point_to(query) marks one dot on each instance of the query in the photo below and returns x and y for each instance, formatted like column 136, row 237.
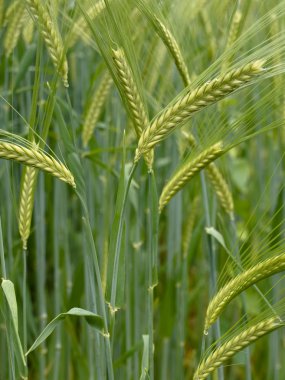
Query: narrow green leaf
column 116, row 237
column 93, row 319
column 216, row 235
column 9, row 292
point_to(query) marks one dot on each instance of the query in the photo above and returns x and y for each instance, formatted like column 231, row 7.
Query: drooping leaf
column 93, row 319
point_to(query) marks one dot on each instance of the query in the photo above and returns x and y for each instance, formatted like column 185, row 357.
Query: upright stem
column 237, row 256
column 152, row 263
column 212, row 261
column 41, row 268
column 94, row 261
column 117, row 252
column 24, row 285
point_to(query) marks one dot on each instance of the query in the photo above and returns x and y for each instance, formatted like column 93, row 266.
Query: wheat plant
column 142, row 213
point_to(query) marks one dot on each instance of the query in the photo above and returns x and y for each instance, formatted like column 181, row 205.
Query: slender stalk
column 212, row 261
column 24, row 294
column 119, row 237
column 237, row 256
column 56, row 274
column 151, row 263
column 40, row 235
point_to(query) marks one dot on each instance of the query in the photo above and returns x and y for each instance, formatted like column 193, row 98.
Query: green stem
column 212, row 261
column 92, row 252
column 24, row 285
column 119, row 238
column 243, row 302
column 117, row 253
column 152, row 262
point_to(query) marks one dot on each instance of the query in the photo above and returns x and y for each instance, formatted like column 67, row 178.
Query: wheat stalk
column 38, row 159
column 134, row 103
column 15, row 23
column 27, row 203
column 189, row 226
column 187, row 171
column 234, row 345
column 187, row 105
column 51, row 36
column 94, row 110
column 240, row 283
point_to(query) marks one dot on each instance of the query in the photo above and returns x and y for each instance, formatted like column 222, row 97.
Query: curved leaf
column 92, row 319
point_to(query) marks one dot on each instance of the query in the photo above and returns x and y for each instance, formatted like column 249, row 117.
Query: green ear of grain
column 37, row 159
column 93, row 319
column 51, row 36
column 26, row 205
column 187, row 171
column 234, row 345
column 15, row 23
column 132, row 98
column 188, row 104
column 95, row 107
column 240, row 283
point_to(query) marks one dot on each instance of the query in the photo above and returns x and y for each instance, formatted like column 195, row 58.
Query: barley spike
column 175, row 51
column 37, row 159
column 240, row 283
column 27, row 203
column 187, row 105
column 234, row 345
column 187, row 171
column 133, row 99
column 51, row 37
column 217, row 180
column 221, row 189
column 14, row 27
column 95, row 108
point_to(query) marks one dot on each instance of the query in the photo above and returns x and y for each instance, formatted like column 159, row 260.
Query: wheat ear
column 28, row 30
column 80, row 27
column 174, row 50
column 193, row 101
column 51, row 36
column 134, row 103
column 220, row 186
column 27, row 203
column 95, row 107
column 234, row 345
column 187, row 171
column 10, row 10
column 217, row 180
column 37, row 159
column 221, row 189
column 240, row 283
column 15, row 24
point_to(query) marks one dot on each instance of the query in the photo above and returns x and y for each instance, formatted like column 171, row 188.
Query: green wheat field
column 142, row 199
